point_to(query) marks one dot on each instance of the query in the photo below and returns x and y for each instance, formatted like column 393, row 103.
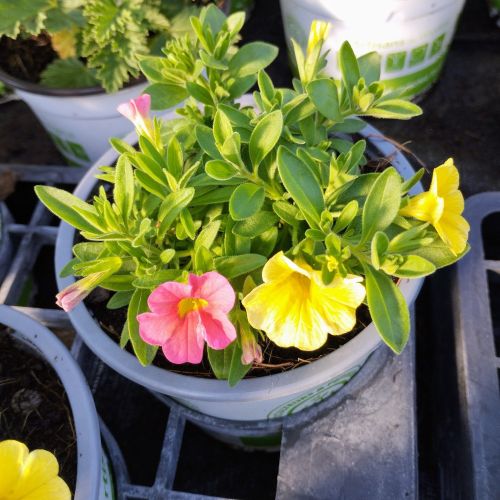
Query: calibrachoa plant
column 235, row 223
column 29, row 475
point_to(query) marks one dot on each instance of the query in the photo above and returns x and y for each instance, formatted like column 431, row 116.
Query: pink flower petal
column 165, row 298
column 186, row 344
column 219, row 331
column 156, row 329
column 215, row 289
column 143, row 105
column 128, row 110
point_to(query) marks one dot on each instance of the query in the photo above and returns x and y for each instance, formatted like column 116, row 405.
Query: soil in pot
column 34, row 407
column 26, row 58
column 275, row 359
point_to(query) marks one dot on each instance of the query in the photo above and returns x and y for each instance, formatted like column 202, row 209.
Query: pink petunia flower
column 72, row 295
column 186, row 315
column 137, row 111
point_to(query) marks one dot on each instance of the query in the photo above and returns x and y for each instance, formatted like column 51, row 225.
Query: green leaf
column 382, row 203
column 226, row 363
column 175, row 158
column 200, row 93
column 207, row 235
column 222, row 127
column 414, row 266
column 380, row 243
column 302, row 185
column 394, row 108
column 165, row 95
column 119, row 300
column 236, row 265
column 63, row 204
column 369, row 67
column 161, row 276
column 346, row 216
column 246, row 200
column 324, row 94
column 265, row 136
column 287, row 212
column 138, row 304
column 439, row 254
column 215, row 196
column 88, row 250
column 68, row 73
column 220, row 170
column 22, row 13
column 206, row 140
column 256, row 224
column 251, row 58
column 349, row 69
column 171, row 207
column 123, row 192
column 407, row 185
column 388, row 309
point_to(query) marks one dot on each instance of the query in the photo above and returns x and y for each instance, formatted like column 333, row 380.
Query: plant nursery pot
column 254, row 398
column 5, row 242
column 412, row 36
column 93, row 474
column 80, row 121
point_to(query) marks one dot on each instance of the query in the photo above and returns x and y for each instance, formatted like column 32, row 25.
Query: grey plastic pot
column 252, row 399
column 93, row 480
column 5, row 241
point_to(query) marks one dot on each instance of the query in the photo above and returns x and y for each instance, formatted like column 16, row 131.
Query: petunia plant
column 234, row 225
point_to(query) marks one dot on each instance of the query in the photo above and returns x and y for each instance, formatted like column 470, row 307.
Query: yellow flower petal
column 424, row 206
column 445, row 179
column 54, row 489
column 442, row 206
column 39, row 467
column 295, row 309
column 453, row 229
column 12, row 456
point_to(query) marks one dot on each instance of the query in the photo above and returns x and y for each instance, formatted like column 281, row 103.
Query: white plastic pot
column 252, row 399
column 412, row 36
column 5, row 242
column 93, row 478
column 80, row 121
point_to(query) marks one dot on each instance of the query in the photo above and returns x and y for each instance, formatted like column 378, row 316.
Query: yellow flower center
column 190, row 304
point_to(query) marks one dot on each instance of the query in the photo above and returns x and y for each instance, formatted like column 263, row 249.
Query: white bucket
column 94, row 480
column 80, row 121
column 252, row 399
column 412, row 36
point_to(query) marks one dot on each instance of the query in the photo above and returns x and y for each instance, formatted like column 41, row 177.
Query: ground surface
column 461, row 119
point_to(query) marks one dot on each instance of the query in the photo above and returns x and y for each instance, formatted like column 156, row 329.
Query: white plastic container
column 93, row 477
column 252, row 399
column 80, row 121
column 412, row 36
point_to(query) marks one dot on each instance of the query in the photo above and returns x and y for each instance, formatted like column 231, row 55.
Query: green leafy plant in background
column 232, row 188
column 98, row 41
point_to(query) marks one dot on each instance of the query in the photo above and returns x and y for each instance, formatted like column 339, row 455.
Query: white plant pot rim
column 29, row 331
column 188, row 387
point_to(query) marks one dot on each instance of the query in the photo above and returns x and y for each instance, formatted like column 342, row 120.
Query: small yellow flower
column 442, row 206
column 29, row 476
column 296, row 309
column 317, row 35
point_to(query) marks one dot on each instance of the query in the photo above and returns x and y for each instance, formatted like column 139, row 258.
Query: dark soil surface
column 275, row 359
column 34, row 408
column 26, row 58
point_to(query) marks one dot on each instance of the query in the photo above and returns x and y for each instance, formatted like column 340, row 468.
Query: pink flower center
column 190, row 304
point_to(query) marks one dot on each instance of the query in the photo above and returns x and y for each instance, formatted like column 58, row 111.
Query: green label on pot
column 74, row 152
column 316, row 396
column 107, row 487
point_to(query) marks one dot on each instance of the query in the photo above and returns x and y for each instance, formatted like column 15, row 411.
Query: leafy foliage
column 68, row 73
column 226, row 186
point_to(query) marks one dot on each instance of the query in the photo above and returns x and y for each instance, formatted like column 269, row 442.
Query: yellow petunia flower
column 296, row 309
column 442, row 206
column 29, row 476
